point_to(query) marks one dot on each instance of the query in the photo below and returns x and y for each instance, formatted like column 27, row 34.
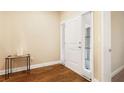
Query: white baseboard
column 95, row 80
column 77, row 73
column 2, row 72
column 117, row 71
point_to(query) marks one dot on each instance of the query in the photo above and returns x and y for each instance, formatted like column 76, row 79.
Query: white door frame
column 106, row 46
column 62, row 42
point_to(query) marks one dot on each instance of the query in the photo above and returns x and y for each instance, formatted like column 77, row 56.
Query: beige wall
column 68, row 15
column 4, row 38
column 36, row 32
column 117, row 25
column 97, row 38
column 97, row 44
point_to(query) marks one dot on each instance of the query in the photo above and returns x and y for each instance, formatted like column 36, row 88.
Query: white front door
column 73, row 45
column 77, row 45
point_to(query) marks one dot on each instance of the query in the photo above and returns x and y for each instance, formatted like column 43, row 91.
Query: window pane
column 87, row 48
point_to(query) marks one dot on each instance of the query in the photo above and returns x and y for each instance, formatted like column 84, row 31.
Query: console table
column 9, row 61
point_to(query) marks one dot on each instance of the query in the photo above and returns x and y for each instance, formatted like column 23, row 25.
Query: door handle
column 79, row 47
column 110, row 50
column 80, row 42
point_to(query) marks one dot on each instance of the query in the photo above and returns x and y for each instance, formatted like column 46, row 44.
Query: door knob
column 110, row 50
column 80, row 42
column 79, row 47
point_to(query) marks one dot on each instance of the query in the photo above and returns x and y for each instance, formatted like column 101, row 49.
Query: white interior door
column 73, row 45
column 106, row 46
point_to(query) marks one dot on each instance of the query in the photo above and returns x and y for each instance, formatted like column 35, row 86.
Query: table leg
column 8, row 67
column 5, row 68
column 29, row 63
column 11, row 66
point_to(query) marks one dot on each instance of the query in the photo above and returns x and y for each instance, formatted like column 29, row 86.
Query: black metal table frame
column 9, row 62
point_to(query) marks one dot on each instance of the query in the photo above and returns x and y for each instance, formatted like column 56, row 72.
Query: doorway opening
column 117, row 41
column 112, row 67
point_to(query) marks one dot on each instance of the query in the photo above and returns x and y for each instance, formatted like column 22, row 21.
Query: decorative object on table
column 20, row 52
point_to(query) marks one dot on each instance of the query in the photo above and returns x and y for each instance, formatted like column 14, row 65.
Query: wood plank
column 55, row 73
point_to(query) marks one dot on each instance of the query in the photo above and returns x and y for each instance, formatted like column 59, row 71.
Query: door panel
column 73, row 51
column 70, row 55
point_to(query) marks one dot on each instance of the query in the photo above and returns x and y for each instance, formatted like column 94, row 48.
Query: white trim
column 92, row 49
column 2, row 72
column 105, row 46
column 117, row 71
column 79, row 74
column 62, row 40
column 95, row 80
column 102, row 47
column 68, row 20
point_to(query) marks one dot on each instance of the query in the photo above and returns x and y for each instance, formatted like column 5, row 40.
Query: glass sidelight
column 87, row 48
column 87, row 44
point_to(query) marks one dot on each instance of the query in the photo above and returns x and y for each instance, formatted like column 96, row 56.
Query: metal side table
column 9, row 63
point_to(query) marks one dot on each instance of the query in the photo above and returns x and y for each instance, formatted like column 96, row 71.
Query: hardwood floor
column 55, row 73
column 119, row 77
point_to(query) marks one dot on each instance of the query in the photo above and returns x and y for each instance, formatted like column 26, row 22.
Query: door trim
column 62, row 41
column 105, row 33
column 92, row 47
